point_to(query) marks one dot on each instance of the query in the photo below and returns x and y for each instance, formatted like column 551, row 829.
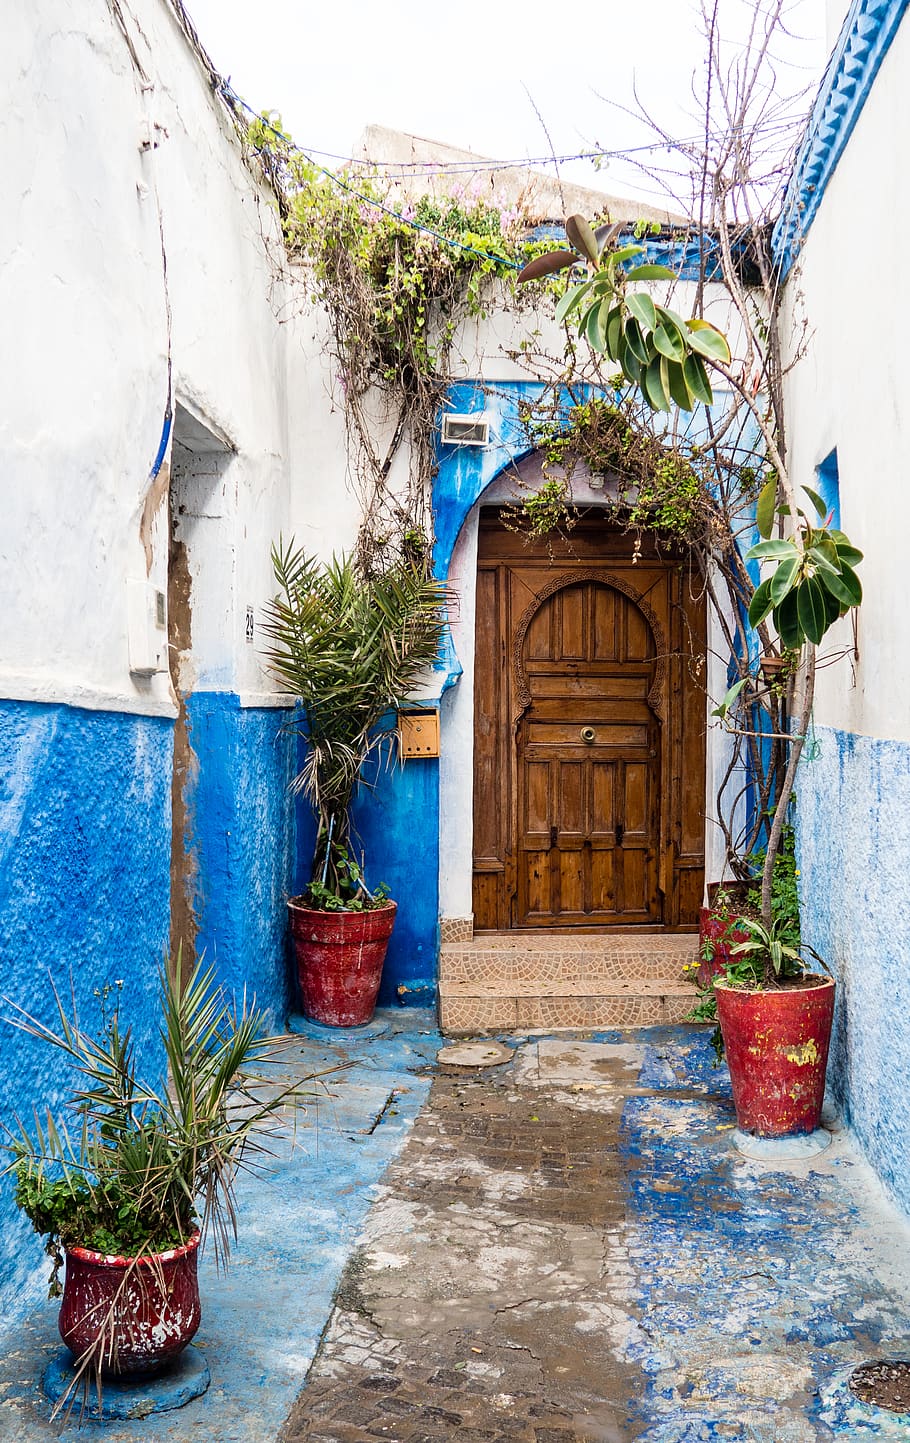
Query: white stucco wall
column 115, row 259
column 861, row 406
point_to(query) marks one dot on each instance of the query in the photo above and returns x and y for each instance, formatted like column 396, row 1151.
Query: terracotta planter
column 718, row 931
column 147, row 1309
column 777, row 1050
column 339, row 960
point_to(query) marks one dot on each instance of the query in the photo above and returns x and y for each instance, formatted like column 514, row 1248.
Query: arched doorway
column 589, row 742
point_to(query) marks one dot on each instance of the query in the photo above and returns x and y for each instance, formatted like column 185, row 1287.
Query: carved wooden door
column 589, row 739
column 588, row 762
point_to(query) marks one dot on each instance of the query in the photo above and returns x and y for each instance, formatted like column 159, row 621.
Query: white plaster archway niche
column 456, row 776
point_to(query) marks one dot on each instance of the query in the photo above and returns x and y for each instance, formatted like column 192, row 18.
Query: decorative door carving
column 589, row 736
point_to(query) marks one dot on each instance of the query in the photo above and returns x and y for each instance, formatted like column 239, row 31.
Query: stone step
column 531, row 981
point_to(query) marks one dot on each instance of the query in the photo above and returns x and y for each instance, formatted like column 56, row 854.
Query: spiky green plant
column 139, row 1167
column 351, row 647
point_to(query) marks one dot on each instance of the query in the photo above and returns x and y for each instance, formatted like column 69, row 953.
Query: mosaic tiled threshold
column 522, row 980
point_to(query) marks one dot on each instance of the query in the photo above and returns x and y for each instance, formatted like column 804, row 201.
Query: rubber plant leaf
column 625, row 253
column 765, row 507
column 845, row 586
column 582, row 237
column 655, row 391
column 761, row 603
column 676, row 379
column 573, row 297
column 592, row 330
column 783, row 579
column 697, row 379
column 547, row 265
column 636, row 341
column 631, row 366
column 787, row 622
column 669, row 343
column 604, row 234
column 846, row 554
column 817, row 502
column 811, row 610
column 650, row 273
column 776, row 549
column 708, row 340
column 643, row 309
column 614, row 332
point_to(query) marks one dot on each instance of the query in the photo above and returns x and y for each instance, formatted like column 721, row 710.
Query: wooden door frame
column 670, row 699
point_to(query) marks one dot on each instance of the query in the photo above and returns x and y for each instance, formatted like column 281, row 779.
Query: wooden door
column 588, row 763
column 589, row 744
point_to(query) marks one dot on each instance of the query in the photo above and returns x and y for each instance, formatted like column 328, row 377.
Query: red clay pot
column 777, row 1050
column 147, row 1308
column 339, row 960
column 717, row 930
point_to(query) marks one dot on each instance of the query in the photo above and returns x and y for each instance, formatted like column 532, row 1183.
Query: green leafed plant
column 656, row 349
column 351, row 647
column 134, row 1166
column 814, row 581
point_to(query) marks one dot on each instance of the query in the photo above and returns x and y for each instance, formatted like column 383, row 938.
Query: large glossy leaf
column 844, row 585
column 811, row 610
column 783, row 579
column 651, row 273
column 614, row 332
column 767, row 550
column 708, row 340
column 765, row 507
column 669, row 342
column 824, row 557
column 761, row 603
column 582, row 237
column 547, row 265
column 593, row 330
column 572, row 298
column 697, row 379
column 631, row 366
column 787, row 622
column 636, row 341
column 817, row 502
column 833, row 607
column 676, row 378
column 643, row 309
column 653, row 385
column 846, row 553
column 604, row 234
column 625, row 253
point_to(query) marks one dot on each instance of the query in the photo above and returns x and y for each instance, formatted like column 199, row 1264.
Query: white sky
column 461, row 73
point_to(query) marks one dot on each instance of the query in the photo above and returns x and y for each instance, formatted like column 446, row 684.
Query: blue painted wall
column 85, row 800
column 396, row 831
column 853, row 838
column 241, row 828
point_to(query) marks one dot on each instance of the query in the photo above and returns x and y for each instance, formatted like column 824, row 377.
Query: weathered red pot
column 723, row 937
column 777, row 1050
column 144, row 1310
column 339, row 960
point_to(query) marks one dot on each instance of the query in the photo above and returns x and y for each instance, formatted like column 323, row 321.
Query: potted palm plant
column 127, row 1189
column 351, row 644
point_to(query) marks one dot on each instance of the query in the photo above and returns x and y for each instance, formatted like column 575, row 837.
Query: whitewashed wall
column 117, row 259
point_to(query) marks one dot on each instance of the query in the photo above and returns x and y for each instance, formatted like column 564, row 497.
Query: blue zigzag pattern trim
column 863, row 43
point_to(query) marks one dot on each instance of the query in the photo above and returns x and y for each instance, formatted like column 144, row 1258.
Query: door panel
column 589, row 740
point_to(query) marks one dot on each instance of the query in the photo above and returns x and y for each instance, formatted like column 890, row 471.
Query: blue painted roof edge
column 862, row 45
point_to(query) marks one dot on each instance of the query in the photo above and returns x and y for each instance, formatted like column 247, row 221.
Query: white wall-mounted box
column 146, row 620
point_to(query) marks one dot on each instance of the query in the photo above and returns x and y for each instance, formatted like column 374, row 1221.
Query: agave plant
column 656, row 349
column 351, row 647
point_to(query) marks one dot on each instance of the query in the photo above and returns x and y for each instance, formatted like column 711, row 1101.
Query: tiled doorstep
column 539, row 959
column 472, row 1014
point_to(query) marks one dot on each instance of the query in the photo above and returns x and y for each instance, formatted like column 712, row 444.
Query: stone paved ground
column 568, row 1248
